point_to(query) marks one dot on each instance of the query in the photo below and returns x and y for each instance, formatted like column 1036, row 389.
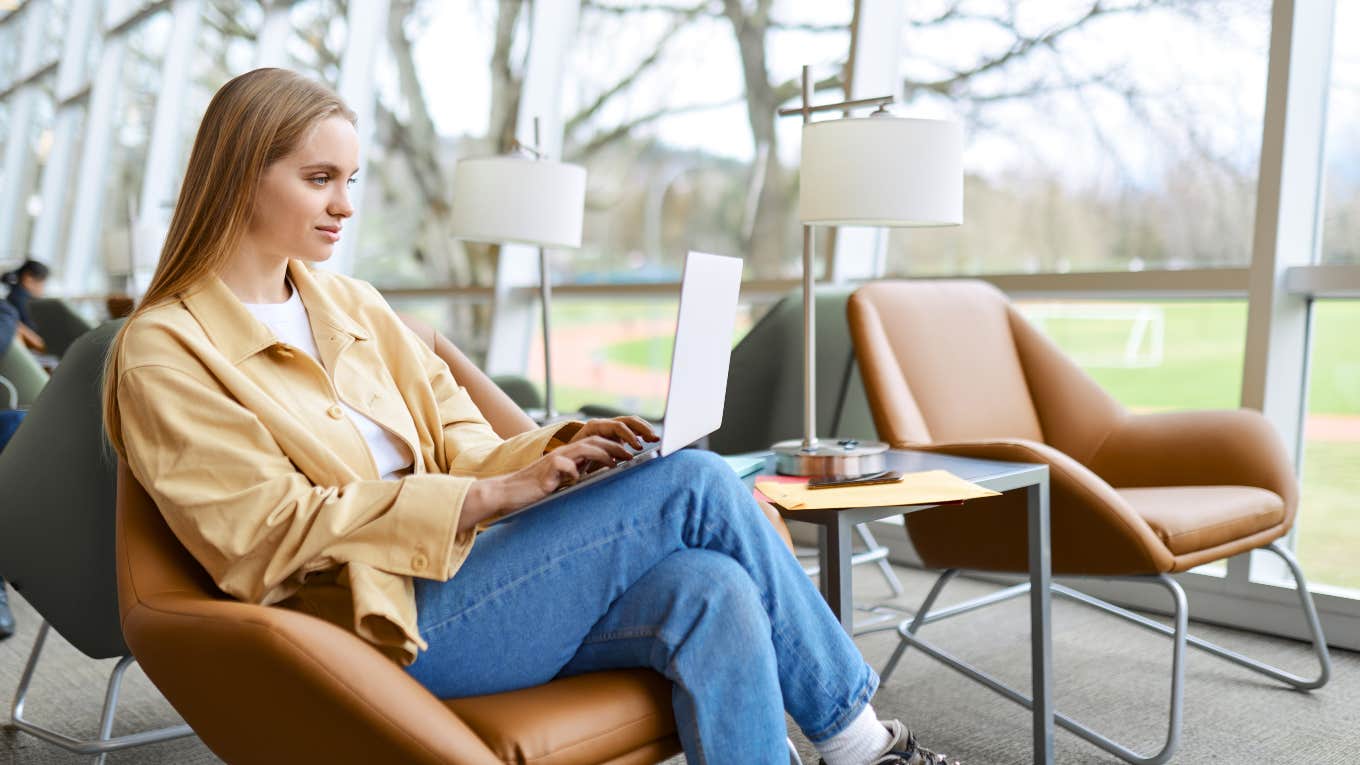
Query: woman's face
column 33, row 285
column 303, row 198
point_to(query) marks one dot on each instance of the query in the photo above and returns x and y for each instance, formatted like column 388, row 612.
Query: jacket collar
column 239, row 335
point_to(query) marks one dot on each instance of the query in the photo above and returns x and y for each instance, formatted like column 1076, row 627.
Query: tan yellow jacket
column 240, row 441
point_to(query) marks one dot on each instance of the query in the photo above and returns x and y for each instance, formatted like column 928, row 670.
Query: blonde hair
column 252, row 121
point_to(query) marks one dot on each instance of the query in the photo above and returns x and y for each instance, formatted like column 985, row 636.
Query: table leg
column 1040, row 626
column 833, row 553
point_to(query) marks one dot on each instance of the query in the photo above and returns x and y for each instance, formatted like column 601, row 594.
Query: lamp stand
column 545, row 297
column 809, row 456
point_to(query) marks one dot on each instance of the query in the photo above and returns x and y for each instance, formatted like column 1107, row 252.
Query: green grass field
column 1200, row 367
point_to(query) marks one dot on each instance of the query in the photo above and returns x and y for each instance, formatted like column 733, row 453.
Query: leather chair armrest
column 1231, row 447
column 1094, row 530
column 249, row 679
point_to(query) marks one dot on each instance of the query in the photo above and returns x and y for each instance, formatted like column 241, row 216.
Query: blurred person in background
column 26, row 282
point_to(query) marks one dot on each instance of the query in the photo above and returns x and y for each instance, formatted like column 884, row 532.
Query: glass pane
column 40, row 134
column 1098, row 136
column 135, row 112
column 684, row 152
column 427, row 120
column 1152, row 356
column 1341, row 168
column 1329, row 516
column 616, row 352
column 318, row 40
column 11, row 37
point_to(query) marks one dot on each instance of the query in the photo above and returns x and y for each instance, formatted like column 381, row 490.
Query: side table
column 834, row 555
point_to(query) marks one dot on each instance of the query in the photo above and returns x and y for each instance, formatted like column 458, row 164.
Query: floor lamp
column 879, row 170
column 523, row 198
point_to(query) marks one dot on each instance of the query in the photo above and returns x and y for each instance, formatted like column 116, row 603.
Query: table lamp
column 878, row 170
column 523, row 198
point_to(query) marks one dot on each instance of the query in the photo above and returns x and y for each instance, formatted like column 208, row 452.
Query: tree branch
column 627, row 81
column 600, row 140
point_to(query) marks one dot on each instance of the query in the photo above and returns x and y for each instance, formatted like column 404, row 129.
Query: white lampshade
column 519, row 200
column 882, row 171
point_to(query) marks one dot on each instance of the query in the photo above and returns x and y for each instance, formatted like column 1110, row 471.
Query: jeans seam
column 632, row 633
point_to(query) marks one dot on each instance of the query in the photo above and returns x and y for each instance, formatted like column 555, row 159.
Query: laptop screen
column 703, row 349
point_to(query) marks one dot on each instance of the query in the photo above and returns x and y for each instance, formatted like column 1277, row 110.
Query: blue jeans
column 10, row 420
column 671, row 566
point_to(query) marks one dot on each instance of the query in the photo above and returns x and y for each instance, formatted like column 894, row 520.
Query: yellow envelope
column 926, row 488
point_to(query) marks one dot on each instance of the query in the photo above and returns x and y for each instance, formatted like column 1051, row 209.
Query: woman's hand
column 625, row 430
column 490, row 497
column 31, row 339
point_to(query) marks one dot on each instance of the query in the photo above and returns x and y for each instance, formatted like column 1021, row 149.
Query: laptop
column 698, row 378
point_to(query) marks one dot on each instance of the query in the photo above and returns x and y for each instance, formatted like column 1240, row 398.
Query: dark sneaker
column 903, row 749
column 6, row 618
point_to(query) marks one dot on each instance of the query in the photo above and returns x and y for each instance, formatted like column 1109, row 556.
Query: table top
column 992, row 474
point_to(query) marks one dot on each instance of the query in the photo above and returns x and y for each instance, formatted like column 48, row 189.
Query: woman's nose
column 340, row 205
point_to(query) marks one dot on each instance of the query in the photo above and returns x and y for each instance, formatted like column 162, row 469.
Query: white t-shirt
column 289, row 323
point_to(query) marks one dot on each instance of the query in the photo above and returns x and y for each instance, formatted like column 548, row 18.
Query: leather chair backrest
column 57, row 477
column 765, row 378
column 57, row 323
column 951, row 364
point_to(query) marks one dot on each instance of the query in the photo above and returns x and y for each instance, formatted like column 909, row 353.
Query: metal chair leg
column 1109, row 745
column 1179, row 634
column 884, row 567
column 916, row 622
column 794, row 759
column 106, row 742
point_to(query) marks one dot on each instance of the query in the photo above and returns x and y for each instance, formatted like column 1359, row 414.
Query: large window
column 1341, row 190
column 1099, row 136
column 671, row 108
column 135, row 112
column 1329, row 524
column 1152, row 355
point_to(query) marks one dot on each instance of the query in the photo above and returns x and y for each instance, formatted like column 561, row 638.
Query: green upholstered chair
column 58, row 477
column 21, row 377
column 57, row 323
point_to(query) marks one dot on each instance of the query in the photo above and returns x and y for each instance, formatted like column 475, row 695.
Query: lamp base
column 829, row 459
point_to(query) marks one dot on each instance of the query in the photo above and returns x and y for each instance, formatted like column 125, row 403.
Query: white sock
column 862, row 740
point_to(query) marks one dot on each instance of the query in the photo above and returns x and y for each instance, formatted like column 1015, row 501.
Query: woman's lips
column 331, row 235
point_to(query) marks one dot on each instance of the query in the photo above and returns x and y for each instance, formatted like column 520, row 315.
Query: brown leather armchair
column 951, row 366
column 261, row 684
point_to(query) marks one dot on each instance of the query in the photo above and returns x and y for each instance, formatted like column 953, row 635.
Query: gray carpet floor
column 1108, row 674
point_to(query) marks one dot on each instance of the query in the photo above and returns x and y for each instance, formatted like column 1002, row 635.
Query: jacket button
column 335, row 412
column 419, row 562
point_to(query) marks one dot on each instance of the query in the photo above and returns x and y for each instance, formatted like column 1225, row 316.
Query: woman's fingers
column 600, row 449
column 640, row 426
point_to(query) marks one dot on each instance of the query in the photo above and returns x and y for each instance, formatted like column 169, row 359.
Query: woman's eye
column 351, row 181
column 320, row 180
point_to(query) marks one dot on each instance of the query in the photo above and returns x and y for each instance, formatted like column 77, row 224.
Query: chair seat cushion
column 1193, row 518
column 601, row 717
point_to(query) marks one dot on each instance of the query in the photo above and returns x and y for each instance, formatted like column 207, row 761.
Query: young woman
column 26, row 282
column 312, row 453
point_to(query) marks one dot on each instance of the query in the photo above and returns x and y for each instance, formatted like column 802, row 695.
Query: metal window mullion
column 87, row 211
column 19, row 156
column 72, row 78
column 1289, row 194
column 163, row 148
column 513, row 314
column 365, row 28
column 271, row 44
